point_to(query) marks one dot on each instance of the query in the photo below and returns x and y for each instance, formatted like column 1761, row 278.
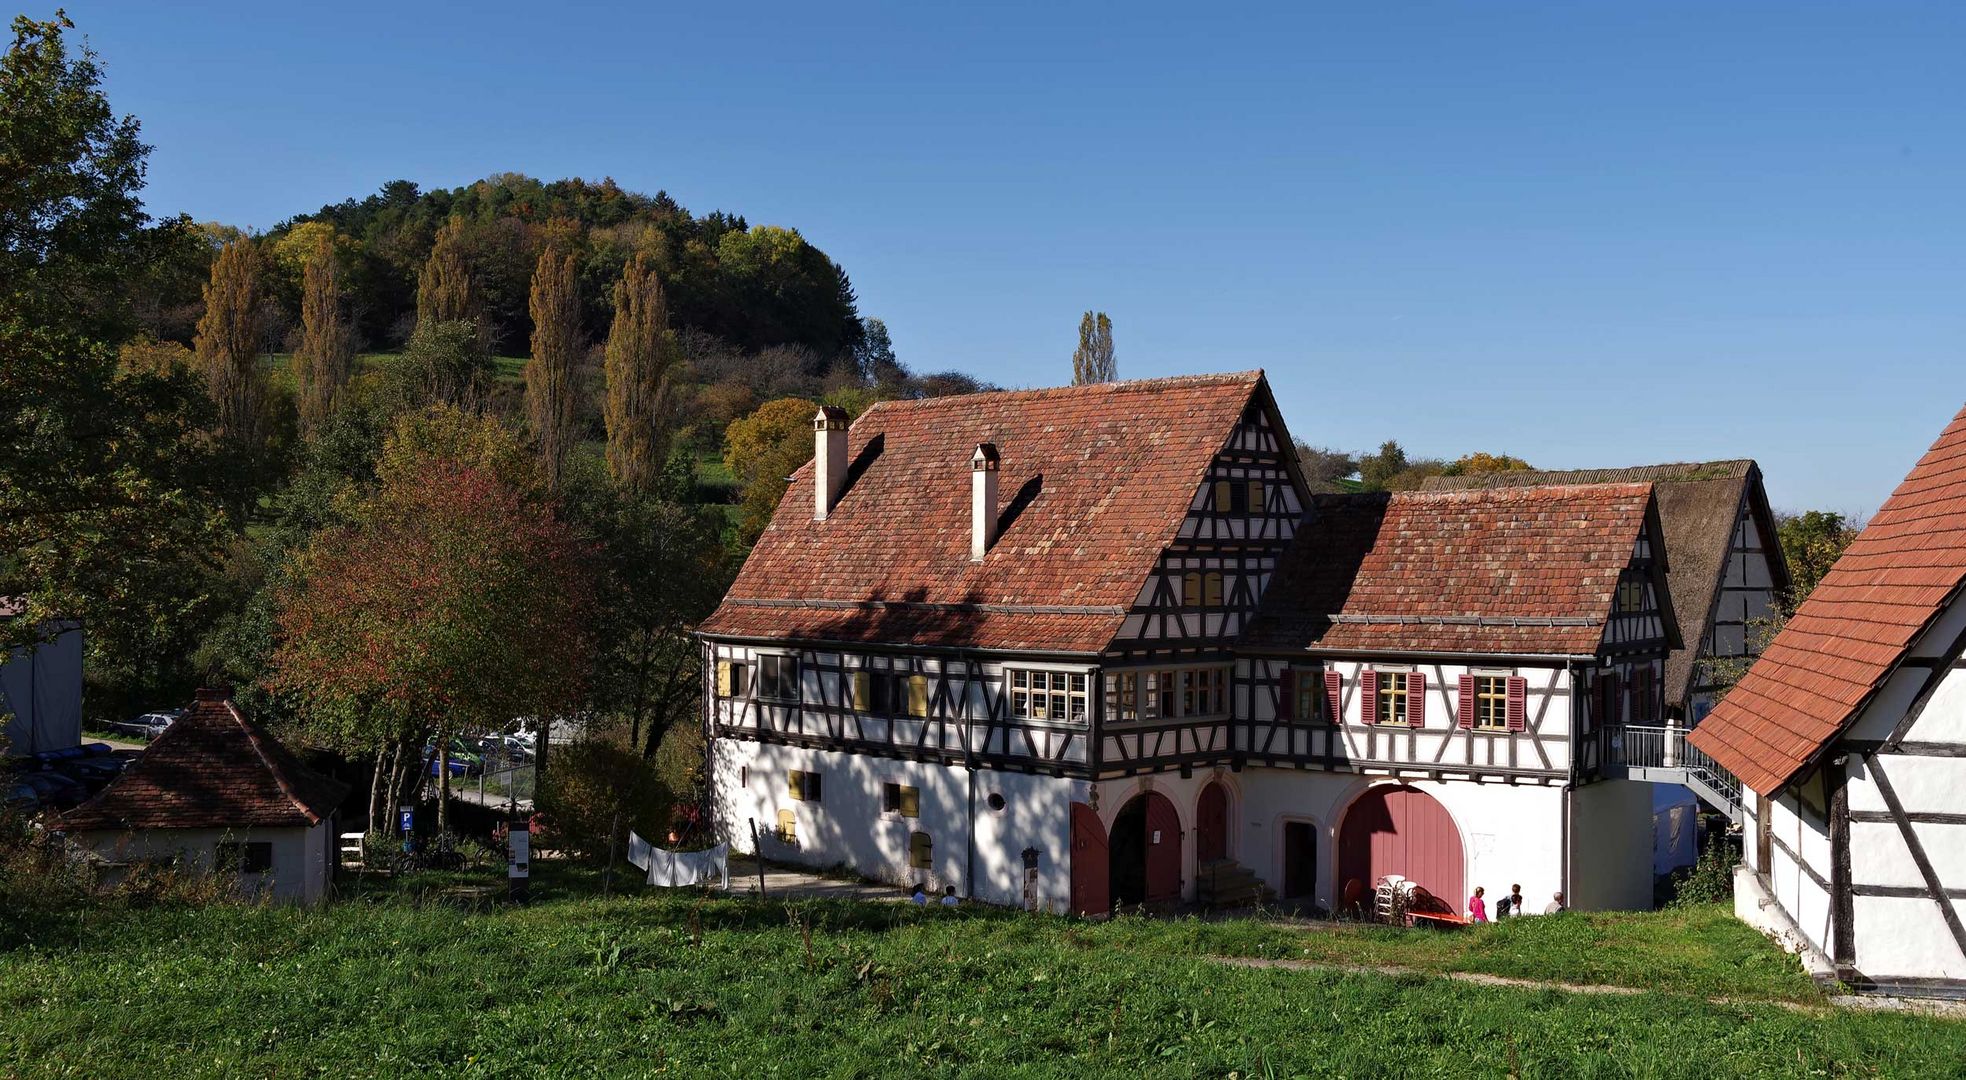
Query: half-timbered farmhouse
column 1097, row 645
column 1849, row 734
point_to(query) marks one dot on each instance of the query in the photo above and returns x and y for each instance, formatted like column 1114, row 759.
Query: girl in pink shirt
column 1477, row 907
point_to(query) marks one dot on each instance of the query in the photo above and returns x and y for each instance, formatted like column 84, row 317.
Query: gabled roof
column 1095, row 482
column 212, row 769
column 1529, row 571
column 1699, row 503
column 1895, row 579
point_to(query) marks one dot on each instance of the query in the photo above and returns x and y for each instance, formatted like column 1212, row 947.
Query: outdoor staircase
column 1226, row 883
column 1661, row 755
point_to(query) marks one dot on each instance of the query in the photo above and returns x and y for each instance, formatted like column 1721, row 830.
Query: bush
column 593, row 792
column 1710, row 880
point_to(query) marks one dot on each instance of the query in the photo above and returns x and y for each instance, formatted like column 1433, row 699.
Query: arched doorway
column 1396, row 829
column 1145, row 851
column 1091, row 894
column 1212, row 824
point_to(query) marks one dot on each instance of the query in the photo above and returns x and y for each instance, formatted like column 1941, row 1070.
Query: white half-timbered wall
column 1747, row 598
column 967, row 697
column 1540, row 753
column 1226, row 548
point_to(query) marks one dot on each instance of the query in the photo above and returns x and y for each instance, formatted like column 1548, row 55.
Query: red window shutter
column 1334, row 697
column 1287, row 704
column 1518, row 703
column 1368, row 696
column 1416, row 700
column 1467, row 717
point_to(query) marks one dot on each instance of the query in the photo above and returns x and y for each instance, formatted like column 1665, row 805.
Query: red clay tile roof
column 1699, row 506
column 1521, row 571
column 1095, row 482
column 212, row 769
column 1897, row 577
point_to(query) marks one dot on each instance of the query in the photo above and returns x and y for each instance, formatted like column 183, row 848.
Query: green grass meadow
column 683, row 985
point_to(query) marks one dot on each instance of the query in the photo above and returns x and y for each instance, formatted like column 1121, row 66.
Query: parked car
column 463, row 760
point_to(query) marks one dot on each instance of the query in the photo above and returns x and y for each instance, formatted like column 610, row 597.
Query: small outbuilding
column 218, row 792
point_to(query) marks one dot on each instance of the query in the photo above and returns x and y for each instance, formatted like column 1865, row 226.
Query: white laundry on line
column 672, row 868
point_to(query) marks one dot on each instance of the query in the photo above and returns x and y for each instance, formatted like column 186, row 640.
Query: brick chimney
column 982, row 500
column 828, row 459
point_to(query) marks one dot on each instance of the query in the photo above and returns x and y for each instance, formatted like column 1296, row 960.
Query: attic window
column 778, row 677
column 1631, row 596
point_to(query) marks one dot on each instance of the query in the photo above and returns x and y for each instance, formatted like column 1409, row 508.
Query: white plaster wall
column 1543, row 747
column 847, row 827
column 1806, row 833
column 300, row 868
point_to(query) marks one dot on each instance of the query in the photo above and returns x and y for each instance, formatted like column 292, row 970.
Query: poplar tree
column 445, row 289
column 228, row 344
column 1093, row 361
column 639, row 356
column 327, row 343
column 555, row 308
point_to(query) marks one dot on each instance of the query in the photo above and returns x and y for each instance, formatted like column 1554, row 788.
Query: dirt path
column 1944, row 1009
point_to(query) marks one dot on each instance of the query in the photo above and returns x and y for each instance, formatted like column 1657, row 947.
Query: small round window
column 996, row 801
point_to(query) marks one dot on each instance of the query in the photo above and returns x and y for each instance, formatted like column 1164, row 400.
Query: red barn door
column 1089, row 869
column 1212, row 824
column 1394, row 829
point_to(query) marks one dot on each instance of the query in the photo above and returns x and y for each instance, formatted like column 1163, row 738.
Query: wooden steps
column 1226, row 883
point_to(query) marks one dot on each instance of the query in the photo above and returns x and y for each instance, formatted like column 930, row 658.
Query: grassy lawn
column 679, row 985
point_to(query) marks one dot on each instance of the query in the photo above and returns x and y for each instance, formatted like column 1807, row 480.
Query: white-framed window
column 1048, row 695
column 778, row 677
column 1166, row 695
column 1392, row 698
column 1491, row 702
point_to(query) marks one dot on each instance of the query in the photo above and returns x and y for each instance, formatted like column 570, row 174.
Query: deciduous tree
column 640, row 354
column 105, row 486
column 550, row 392
column 446, row 290
column 762, row 450
column 445, row 363
column 229, row 343
column 1093, row 361
column 455, row 599
column 327, row 345
column 1812, row 542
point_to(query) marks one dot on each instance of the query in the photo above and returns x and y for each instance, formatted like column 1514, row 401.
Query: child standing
column 1477, row 907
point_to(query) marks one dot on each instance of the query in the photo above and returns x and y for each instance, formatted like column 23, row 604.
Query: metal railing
column 1666, row 748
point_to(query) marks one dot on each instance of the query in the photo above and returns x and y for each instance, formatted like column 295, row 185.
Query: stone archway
column 1144, row 849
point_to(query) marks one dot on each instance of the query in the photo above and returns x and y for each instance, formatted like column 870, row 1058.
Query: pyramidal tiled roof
column 1095, row 481
column 212, row 769
column 1893, row 581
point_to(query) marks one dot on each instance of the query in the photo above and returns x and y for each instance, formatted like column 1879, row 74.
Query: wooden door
column 1089, row 869
column 1394, row 829
column 1163, row 849
column 1212, row 824
column 1299, row 859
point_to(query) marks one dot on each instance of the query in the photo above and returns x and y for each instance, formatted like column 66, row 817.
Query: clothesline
column 673, row 868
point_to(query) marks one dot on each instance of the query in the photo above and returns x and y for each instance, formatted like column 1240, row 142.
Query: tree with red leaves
column 454, row 600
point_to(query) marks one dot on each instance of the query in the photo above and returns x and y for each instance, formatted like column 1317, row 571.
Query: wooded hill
column 731, row 286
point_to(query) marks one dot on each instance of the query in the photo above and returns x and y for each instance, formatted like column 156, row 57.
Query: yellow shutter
column 1221, row 496
column 911, row 802
column 917, row 695
column 861, row 691
column 1191, row 590
column 1256, row 496
column 798, row 785
column 1212, row 595
column 723, row 678
column 788, row 826
column 921, row 851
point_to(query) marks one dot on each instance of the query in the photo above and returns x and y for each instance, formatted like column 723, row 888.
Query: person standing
column 1478, row 907
column 1556, row 905
column 1515, row 900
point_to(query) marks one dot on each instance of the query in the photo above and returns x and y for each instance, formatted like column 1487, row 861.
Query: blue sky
column 1584, row 233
